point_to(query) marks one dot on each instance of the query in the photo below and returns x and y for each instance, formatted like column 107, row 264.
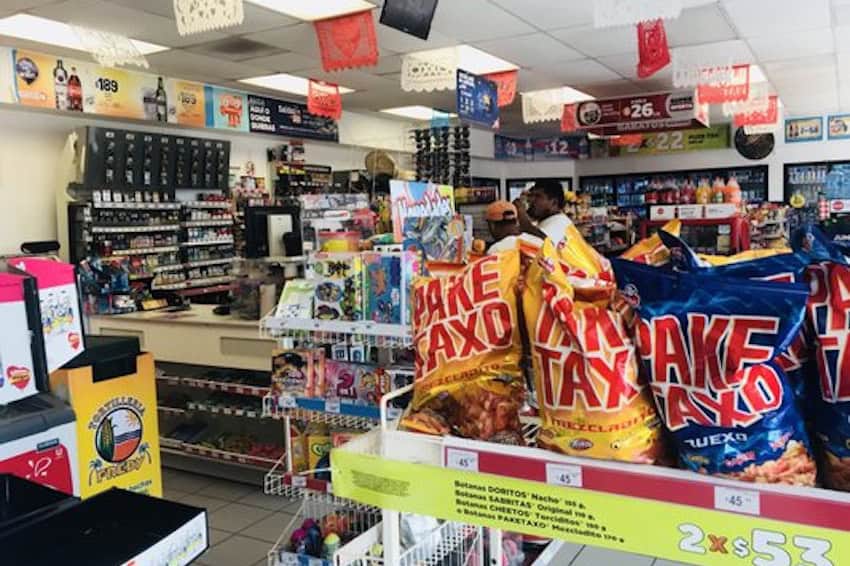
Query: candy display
column 591, row 400
column 355, row 382
column 708, row 346
column 382, row 287
column 338, row 287
column 292, row 373
column 467, row 348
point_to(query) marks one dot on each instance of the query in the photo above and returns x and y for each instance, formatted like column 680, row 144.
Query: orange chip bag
column 588, row 272
column 468, row 347
column 652, row 250
column 591, row 400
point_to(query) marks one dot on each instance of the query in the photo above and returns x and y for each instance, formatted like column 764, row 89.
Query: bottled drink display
column 161, row 102
column 60, row 85
column 75, row 92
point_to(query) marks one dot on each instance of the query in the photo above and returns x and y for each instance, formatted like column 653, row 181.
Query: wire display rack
column 313, row 331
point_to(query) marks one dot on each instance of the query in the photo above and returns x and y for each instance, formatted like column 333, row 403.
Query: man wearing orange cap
column 504, row 227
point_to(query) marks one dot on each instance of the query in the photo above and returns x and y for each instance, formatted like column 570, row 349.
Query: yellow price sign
column 114, row 92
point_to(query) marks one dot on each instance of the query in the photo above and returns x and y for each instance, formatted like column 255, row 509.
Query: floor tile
column 269, row 529
column 211, row 504
column 235, row 551
column 172, row 494
column 592, row 556
column 217, row 536
column 184, row 481
column 270, row 502
column 229, row 490
column 234, row 517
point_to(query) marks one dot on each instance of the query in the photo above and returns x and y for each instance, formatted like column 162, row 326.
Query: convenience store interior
column 212, row 368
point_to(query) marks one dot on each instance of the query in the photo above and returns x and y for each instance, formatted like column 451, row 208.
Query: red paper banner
column 347, row 41
column 506, row 83
column 323, row 99
column 770, row 115
column 653, row 52
column 568, row 118
column 737, row 89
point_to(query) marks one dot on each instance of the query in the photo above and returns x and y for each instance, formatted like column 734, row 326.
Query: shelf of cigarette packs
column 216, row 414
column 769, row 226
column 588, row 501
column 608, row 229
column 328, row 531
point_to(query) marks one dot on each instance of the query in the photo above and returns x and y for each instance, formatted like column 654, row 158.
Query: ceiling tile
column 283, row 62
column 705, row 24
column 625, row 64
column 133, row 23
column 188, row 65
column 235, row 49
column 841, row 35
column 256, row 17
column 735, row 50
column 802, row 43
column 358, row 79
column 535, row 80
column 599, row 42
column 387, row 64
column 299, row 38
column 476, row 20
column 536, row 50
column 612, row 89
column 540, row 13
column 10, row 7
column 400, row 42
column 807, row 74
column 754, row 18
column 578, row 73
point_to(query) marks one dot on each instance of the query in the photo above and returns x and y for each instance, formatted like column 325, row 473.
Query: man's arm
column 525, row 223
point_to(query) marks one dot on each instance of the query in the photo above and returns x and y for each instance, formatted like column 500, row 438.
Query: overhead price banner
column 532, row 149
column 477, row 99
column 284, row 118
column 505, row 147
column 675, row 141
column 642, row 113
column 731, row 532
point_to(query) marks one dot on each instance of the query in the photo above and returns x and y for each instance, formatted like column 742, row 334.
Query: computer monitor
column 272, row 231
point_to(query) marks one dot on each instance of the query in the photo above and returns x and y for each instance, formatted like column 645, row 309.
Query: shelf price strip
column 666, row 513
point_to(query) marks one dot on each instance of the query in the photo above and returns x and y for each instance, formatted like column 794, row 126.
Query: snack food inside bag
column 467, row 349
column 591, row 400
column 708, row 346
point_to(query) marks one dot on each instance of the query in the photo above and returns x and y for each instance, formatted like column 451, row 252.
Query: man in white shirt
column 502, row 221
column 545, row 216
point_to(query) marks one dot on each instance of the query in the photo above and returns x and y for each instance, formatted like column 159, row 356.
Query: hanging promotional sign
column 560, row 147
column 641, row 113
column 803, row 129
column 477, row 99
column 284, row 118
column 696, row 139
column 505, row 147
column 731, row 88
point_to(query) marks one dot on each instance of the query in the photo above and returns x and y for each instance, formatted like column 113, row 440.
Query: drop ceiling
column 803, row 47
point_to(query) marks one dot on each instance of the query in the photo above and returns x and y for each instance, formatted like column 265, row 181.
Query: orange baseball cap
column 501, row 210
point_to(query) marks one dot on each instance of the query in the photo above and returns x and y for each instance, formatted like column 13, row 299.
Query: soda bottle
column 161, row 102
column 75, row 92
column 60, row 85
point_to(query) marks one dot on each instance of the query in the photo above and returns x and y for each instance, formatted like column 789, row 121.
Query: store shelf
column 207, row 204
column 138, row 205
column 168, row 267
column 143, row 251
column 586, row 501
column 134, row 229
column 220, row 242
column 215, row 385
column 141, row 276
column 204, row 290
column 202, row 223
column 171, row 410
column 330, row 331
column 219, row 410
column 193, row 283
column 285, row 484
column 206, row 262
column 211, row 454
column 330, row 411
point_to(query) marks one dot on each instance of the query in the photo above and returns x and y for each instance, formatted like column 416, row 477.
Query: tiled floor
column 245, row 523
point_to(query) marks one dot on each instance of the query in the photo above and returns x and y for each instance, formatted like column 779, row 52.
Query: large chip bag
column 651, row 250
column 590, row 398
column 708, row 346
column 468, row 347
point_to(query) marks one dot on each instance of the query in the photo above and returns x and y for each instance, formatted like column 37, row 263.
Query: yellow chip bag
column 592, row 402
column 467, row 351
column 652, row 250
column 748, row 255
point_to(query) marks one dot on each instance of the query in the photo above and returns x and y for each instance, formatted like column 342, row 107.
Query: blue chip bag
column 708, row 347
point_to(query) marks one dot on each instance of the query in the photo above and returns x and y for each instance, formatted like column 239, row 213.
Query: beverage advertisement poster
column 35, row 81
column 226, row 109
column 477, row 99
column 838, row 127
column 186, row 103
column 803, row 129
column 115, row 92
column 412, row 199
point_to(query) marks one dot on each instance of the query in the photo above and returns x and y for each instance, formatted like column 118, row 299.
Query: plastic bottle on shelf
column 687, row 194
column 652, row 195
column 733, row 191
column 703, row 192
column 718, row 191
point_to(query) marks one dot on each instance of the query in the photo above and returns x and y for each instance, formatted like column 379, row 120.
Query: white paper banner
column 757, row 102
column 110, row 49
column 609, row 13
column 542, row 105
column 689, row 72
column 426, row 71
column 196, row 16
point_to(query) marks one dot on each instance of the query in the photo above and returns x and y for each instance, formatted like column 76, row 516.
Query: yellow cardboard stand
column 117, row 428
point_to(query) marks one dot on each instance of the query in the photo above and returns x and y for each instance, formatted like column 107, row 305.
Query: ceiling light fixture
column 51, row 32
column 312, row 10
column 286, row 83
column 480, row 62
column 415, row 112
column 563, row 94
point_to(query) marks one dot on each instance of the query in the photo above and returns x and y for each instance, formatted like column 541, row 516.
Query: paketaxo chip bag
column 590, row 399
column 652, row 250
column 708, row 345
column 467, row 348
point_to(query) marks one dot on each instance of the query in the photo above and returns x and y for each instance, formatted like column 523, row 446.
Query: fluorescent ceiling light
column 311, row 10
column 415, row 112
column 286, row 83
column 565, row 94
column 480, row 62
column 42, row 30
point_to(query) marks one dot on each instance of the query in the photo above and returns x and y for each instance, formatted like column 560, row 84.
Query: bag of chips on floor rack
column 708, row 345
column 467, row 351
column 591, row 400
